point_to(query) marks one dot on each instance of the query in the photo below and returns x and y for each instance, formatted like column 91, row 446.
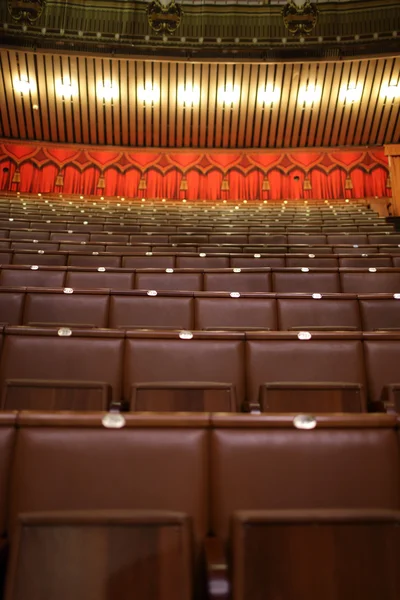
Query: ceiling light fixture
column 310, row 94
column 269, row 95
column 66, row 88
column 189, row 95
column 23, row 85
column 351, row 93
column 390, row 91
column 229, row 95
column 107, row 90
column 149, row 93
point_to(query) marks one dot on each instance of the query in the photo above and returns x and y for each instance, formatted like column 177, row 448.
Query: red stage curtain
column 200, row 186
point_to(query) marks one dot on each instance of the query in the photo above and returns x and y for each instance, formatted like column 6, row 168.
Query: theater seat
column 237, row 280
column 60, row 369
column 7, row 440
column 311, row 312
column 276, row 462
column 370, row 281
column 11, row 305
column 74, row 462
column 382, row 359
column 303, row 360
column 169, row 279
column 152, row 309
column 234, row 311
column 175, row 361
column 350, row 554
column 115, row 554
column 66, row 307
column 305, row 280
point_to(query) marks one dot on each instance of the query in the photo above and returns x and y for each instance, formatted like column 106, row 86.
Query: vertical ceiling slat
column 204, row 97
column 48, row 70
column 17, row 95
column 59, row 102
column 67, row 101
column 140, row 107
column 34, row 99
column 42, row 98
column 101, row 103
column 196, row 108
column 364, row 105
column 244, row 93
column 180, row 84
column 308, row 136
column 223, row 109
column 251, row 105
column 92, row 100
column 374, row 99
column 116, row 106
column 211, row 108
column 262, row 74
column 4, row 111
column 294, row 110
column 123, row 104
column 386, row 105
column 340, row 108
column 164, row 103
column 172, row 104
column 132, row 108
column 301, row 133
column 83, row 98
column 380, row 108
column 156, row 110
column 77, row 103
column 394, row 117
column 271, row 116
column 236, row 113
column 108, row 104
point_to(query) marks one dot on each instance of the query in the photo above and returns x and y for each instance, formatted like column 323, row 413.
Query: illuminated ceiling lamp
column 351, row 93
column 310, row 94
column 23, row 85
column 229, row 94
column 390, row 91
column 107, row 90
column 269, row 94
column 149, row 94
column 189, row 96
column 66, row 88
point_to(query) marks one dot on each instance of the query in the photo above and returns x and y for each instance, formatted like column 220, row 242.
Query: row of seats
column 91, row 369
column 287, row 280
column 126, row 226
column 199, row 310
column 85, row 234
column 190, row 260
column 215, row 501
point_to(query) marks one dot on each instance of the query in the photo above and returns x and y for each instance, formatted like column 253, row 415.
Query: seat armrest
column 252, row 407
column 218, row 584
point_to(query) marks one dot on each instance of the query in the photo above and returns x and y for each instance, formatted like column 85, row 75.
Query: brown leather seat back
column 238, row 280
column 150, row 261
column 122, row 555
column 169, row 279
column 66, row 307
column 382, row 360
column 48, row 357
column 304, row 357
column 11, row 305
column 323, row 261
column 197, row 261
column 72, row 462
column 95, row 260
column 102, row 277
column 370, row 281
column 305, row 280
column 318, row 311
column 33, row 276
column 269, row 558
column 266, row 463
column 185, row 357
column 380, row 311
column 7, row 440
column 147, row 310
column 244, row 312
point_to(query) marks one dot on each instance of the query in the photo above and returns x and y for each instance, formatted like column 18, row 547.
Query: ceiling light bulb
column 390, row 91
column 66, row 88
column 310, row 94
column 269, row 94
column 189, row 95
column 107, row 90
column 229, row 95
column 351, row 93
column 23, row 85
column 149, row 94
